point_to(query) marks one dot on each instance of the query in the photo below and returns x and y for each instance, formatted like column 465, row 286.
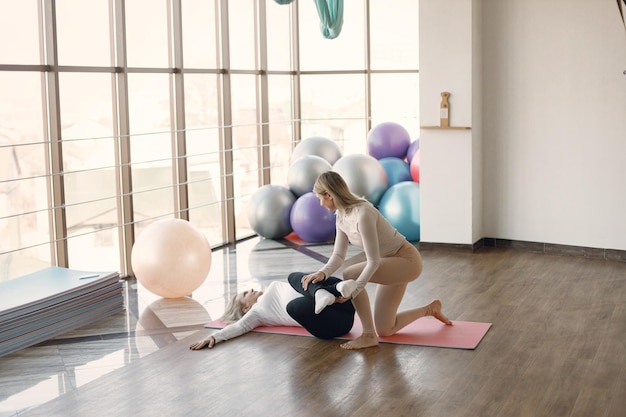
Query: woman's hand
column 342, row 300
column 312, row 279
column 208, row 342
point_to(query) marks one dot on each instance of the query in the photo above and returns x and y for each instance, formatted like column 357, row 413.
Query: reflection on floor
column 38, row 374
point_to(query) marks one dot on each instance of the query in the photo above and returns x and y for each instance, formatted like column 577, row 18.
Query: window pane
column 24, row 233
column 19, row 22
column 279, row 95
column 242, row 34
column 395, row 98
column 147, row 33
column 278, row 36
column 394, row 34
column 83, row 41
column 245, row 148
column 347, row 51
column 203, row 156
column 151, row 145
column 89, row 161
column 199, row 30
column 333, row 106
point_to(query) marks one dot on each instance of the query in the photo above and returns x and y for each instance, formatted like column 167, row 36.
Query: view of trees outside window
column 92, row 144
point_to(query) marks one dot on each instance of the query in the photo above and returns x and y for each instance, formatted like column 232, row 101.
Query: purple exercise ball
column 388, row 139
column 311, row 221
column 413, row 147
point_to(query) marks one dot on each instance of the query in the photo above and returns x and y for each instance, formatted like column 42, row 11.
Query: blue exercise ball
column 397, row 170
column 269, row 211
column 311, row 221
column 388, row 139
column 303, row 173
column 364, row 175
column 400, row 205
column 317, row 145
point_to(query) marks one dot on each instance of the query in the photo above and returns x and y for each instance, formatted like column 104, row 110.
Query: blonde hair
column 332, row 183
column 234, row 311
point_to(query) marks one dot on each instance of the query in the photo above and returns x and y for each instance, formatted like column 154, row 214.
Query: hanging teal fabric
column 331, row 17
column 283, row 1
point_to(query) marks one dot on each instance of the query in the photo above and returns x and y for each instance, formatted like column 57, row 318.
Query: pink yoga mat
column 422, row 332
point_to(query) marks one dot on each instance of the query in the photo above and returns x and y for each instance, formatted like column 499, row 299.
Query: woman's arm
column 248, row 322
column 338, row 256
column 369, row 236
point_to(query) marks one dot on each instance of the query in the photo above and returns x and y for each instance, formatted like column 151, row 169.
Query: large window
column 118, row 113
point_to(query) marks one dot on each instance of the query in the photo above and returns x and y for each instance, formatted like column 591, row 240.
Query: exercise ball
column 388, row 139
column 304, row 171
column 413, row 147
column 415, row 166
column 317, row 145
column 171, row 258
column 397, row 170
column 311, row 221
column 400, row 205
column 269, row 209
column 364, row 175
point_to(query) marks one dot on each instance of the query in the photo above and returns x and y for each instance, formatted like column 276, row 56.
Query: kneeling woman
column 283, row 304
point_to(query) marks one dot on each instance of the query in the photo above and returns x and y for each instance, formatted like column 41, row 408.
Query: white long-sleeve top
column 269, row 310
column 363, row 226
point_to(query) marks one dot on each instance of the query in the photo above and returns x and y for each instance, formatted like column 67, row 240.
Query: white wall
column 450, row 160
column 548, row 138
column 554, row 116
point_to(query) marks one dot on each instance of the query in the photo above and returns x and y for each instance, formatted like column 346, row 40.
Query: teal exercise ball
column 397, row 169
column 400, row 205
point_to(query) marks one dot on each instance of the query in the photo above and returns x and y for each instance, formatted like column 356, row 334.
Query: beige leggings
column 393, row 275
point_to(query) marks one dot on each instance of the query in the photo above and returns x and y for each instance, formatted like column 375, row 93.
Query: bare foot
column 434, row 309
column 364, row 341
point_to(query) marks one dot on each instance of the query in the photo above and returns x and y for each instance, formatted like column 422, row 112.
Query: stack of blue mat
column 55, row 300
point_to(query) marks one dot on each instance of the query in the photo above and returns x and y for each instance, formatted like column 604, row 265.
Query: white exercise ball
column 171, row 258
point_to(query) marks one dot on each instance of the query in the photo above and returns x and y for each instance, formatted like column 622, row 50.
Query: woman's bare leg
column 368, row 338
column 389, row 322
column 393, row 275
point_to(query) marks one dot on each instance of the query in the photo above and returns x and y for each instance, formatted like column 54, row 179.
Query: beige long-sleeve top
column 363, row 226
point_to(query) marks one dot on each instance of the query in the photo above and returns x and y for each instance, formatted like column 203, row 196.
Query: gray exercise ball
column 364, row 174
column 269, row 211
column 317, row 145
column 304, row 172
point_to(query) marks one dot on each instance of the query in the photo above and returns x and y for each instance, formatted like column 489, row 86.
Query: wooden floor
column 557, row 347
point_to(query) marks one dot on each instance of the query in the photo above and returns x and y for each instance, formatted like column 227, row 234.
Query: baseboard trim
column 538, row 247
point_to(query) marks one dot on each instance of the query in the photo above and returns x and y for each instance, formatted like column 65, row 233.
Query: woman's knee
column 384, row 331
column 352, row 272
column 297, row 309
column 295, row 276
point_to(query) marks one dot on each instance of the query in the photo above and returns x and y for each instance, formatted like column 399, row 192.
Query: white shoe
column 323, row 299
column 346, row 288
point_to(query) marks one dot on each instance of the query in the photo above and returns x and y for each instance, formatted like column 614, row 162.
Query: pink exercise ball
column 171, row 258
column 415, row 166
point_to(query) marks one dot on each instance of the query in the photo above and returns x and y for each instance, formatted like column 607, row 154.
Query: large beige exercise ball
column 171, row 258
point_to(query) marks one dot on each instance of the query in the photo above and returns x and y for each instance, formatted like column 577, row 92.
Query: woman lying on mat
column 282, row 304
column 391, row 261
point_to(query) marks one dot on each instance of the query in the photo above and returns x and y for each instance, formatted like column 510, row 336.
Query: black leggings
column 334, row 321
